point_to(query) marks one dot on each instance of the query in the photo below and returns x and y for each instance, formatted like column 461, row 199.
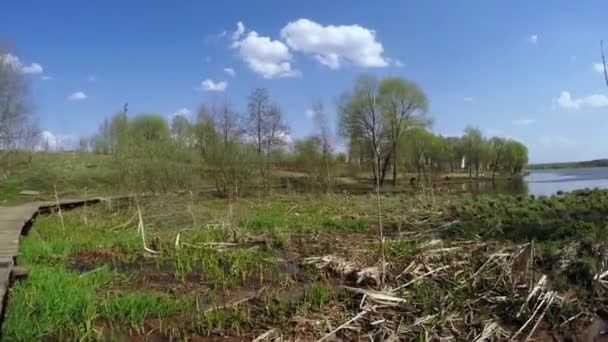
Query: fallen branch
column 420, row 277
column 265, row 335
column 346, row 269
column 378, row 297
column 361, row 314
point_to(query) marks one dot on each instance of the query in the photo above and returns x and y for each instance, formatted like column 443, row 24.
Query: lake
column 545, row 182
column 549, row 182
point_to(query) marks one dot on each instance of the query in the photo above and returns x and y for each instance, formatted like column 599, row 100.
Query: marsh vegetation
column 298, row 267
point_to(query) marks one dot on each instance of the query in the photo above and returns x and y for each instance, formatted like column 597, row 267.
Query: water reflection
column 549, row 182
column 514, row 187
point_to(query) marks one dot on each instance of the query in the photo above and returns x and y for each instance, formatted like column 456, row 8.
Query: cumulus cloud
column 16, row 64
column 566, row 101
column 399, row 64
column 310, row 113
column 523, row 122
column 185, row 112
column 533, row 39
column 599, row 67
column 333, row 45
column 264, row 56
column 230, row 72
column 210, row 85
column 468, row 99
column 77, row 96
column 240, row 30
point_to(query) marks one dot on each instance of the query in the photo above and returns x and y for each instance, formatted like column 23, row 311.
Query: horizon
column 515, row 70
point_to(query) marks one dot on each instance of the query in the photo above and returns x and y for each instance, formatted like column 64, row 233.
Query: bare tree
column 361, row 118
column 325, row 137
column 265, row 126
column 16, row 124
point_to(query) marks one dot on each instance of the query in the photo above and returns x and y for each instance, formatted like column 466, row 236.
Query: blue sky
column 522, row 69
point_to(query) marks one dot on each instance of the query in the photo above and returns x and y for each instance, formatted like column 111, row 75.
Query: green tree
column 516, row 156
column 474, row 149
column 181, row 129
column 498, row 154
column 150, row 127
column 404, row 105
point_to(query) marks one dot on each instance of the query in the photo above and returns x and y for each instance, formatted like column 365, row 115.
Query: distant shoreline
column 569, row 165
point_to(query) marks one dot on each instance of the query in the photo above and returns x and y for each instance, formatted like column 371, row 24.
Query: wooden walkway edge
column 13, row 221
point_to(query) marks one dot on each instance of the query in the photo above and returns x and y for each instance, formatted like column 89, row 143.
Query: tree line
column 384, row 124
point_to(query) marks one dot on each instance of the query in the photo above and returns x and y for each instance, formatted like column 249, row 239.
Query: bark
column 395, row 165
column 386, row 163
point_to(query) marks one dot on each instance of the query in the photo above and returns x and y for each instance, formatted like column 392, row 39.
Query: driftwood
column 346, row 269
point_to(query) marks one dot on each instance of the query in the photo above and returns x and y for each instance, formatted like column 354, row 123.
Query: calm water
column 548, row 182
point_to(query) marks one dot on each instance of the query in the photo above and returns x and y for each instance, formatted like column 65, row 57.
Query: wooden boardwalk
column 13, row 220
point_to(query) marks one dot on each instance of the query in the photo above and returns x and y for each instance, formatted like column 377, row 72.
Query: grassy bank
column 76, row 174
column 457, row 266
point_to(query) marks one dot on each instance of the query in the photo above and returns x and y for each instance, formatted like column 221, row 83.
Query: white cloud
column 57, row 141
column 185, row 112
column 399, row 64
column 310, row 113
column 533, row 39
column 523, row 122
column 33, row 69
column 332, row 45
column 264, row 56
column 77, row 96
column 17, row 65
column 240, row 30
column 210, row 85
column 599, row 67
column 468, row 99
column 230, row 72
column 46, row 78
column 285, row 137
column 566, row 101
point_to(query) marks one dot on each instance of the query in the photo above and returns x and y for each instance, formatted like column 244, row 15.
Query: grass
column 70, row 172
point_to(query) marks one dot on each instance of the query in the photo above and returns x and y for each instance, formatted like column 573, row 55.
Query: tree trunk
column 395, row 165
column 387, row 162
